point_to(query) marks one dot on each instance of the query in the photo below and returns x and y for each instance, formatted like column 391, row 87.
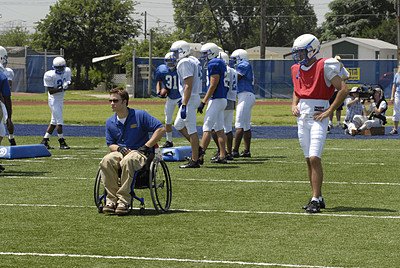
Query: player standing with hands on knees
column 314, row 82
column 56, row 81
column 189, row 73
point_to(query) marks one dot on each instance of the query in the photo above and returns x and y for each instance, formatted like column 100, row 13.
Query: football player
column 314, row 82
column 56, row 81
column 246, row 101
column 189, row 73
column 231, row 80
column 216, row 98
column 7, row 99
column 167, row 86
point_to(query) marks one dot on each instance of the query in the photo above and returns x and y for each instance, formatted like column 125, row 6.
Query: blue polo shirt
column 135, row 132
column 169, row 79
column 4, row 85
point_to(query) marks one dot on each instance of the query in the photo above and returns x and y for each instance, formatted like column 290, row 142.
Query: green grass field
column 244, row 214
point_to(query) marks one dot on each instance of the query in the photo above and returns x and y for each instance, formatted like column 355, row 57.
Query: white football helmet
column 209, row 51
column 3, row 56
column 224, row 57
column 181, row 49
column 238, row 56
column 59, row 65
column 170, row 60
column 305, row 47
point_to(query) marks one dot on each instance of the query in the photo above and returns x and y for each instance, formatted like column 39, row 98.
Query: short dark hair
column 122, row 93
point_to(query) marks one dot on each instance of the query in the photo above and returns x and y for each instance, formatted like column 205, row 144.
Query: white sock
column 168, row 135
column 47, row 135
column 11, row 136
column 315, row 199
column 60, row 136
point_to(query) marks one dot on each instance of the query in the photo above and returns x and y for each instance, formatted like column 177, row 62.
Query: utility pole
column 145, row 24
column 398, row 29
column 149, row 85
column 263, row 31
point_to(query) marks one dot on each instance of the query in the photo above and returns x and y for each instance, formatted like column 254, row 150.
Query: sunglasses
column 114, row 100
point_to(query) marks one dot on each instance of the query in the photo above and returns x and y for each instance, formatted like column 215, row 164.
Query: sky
column 26, row 12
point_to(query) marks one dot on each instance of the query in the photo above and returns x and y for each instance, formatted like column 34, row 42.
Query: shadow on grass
column 23, row 173
column 256, row 160
column 151, row 212
column 342, row 209
column 222, row 166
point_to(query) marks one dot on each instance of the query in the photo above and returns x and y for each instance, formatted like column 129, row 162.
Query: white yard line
column 227, row 211
column 289, row 182
column 244, row 263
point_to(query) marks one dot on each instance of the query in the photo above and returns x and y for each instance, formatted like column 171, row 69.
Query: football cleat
column 63, row 144
column 191, row 164
column 321, row 204
column 245, row 154
column 229, row 157
column 215, row 155
column 235, row 154
column 45, row 142
column 218, row 160
column 168, row 144
column 313, row 207
column 12, row 142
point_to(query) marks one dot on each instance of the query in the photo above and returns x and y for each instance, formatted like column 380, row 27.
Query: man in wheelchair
column 127, row 136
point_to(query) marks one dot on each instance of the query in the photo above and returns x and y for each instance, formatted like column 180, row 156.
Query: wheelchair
column 154, row 176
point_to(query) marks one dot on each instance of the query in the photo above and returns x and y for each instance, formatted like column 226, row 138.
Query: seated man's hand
column 145, row 150
column 123, row 150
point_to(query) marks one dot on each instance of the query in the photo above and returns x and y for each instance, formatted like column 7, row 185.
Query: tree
column 87, row 29
column 367, row 18
column 162, row 41
column 17, row 36
column 235, row 23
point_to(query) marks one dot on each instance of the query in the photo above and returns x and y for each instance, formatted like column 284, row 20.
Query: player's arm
column 156, row 137
column 187, row 90
column 8, row 104
column 214, row 80
column 53, row 90
column 343, row 91
column 158, row 87
column 295, row 101
column 393, row 90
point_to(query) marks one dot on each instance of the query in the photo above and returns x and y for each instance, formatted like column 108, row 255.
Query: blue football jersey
column 217, row 66
column 246, row 82
column 169, row 79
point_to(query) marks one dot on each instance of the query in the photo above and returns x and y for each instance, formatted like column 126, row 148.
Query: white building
column 359, row 48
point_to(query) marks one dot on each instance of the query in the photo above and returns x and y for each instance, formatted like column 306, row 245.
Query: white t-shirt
column 189, row 67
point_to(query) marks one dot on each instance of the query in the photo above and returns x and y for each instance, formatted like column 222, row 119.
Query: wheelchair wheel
column 99, row 193
column 160, row 186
